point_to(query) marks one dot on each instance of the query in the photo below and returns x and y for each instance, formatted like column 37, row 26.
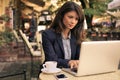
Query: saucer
column 55, row 71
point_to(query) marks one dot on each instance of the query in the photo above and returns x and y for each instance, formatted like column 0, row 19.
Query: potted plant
column 5, row 17
column 6, row 39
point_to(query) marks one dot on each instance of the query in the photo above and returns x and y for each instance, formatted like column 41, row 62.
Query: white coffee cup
column 50, row 66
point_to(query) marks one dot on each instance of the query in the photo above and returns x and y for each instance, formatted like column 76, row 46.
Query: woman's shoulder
column 50, row 35
column 49, row 31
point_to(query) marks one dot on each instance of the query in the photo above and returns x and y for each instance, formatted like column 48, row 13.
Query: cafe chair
column 16, row 36
column 34, row 53
column 18, row 41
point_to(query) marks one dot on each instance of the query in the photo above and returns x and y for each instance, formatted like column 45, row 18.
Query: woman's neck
column 65, row 33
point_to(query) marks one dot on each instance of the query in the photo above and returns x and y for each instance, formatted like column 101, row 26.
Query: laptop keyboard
column 74, row 70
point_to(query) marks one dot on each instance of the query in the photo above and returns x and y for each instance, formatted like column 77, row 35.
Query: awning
column 114, row 4
column 36, row 4
column 114, row 14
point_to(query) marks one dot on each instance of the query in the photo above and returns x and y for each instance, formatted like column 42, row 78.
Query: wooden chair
column 17, row 37
column 19, row 41
column 39, row 44
column 33, row 53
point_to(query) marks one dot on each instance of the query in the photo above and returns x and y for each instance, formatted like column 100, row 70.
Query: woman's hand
column 73, row 63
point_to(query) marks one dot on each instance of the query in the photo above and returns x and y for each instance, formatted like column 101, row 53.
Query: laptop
column 97, row 57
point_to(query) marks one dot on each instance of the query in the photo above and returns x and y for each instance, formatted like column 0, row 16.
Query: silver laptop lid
column 98, row 57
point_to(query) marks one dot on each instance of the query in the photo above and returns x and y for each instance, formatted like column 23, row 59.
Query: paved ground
column 2, row 65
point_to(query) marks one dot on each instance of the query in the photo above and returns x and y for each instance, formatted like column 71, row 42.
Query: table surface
column 105, row 76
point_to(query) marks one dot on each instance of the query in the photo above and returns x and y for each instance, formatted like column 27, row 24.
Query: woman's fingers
column 73, row 63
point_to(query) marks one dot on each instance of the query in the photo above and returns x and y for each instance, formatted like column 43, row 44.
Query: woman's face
column 70, row 19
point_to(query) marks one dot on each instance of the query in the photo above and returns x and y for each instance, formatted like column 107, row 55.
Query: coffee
column 50, row 66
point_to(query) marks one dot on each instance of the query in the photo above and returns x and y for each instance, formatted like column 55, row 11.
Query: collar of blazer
column 72, row 43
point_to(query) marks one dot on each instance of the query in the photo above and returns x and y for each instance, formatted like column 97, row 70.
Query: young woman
column 61, row 42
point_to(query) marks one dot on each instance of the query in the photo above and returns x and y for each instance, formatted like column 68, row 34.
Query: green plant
column 5, row 17
column 94, row 7
column 6, row 37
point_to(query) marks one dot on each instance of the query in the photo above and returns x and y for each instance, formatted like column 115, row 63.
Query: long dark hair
column 58, row 25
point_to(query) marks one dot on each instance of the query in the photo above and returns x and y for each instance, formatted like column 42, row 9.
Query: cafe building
column 23, row 21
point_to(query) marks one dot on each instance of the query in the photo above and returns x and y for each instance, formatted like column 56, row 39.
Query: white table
column 106, row 76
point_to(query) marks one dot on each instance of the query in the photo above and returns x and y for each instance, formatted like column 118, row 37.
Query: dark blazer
column 53, row 48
